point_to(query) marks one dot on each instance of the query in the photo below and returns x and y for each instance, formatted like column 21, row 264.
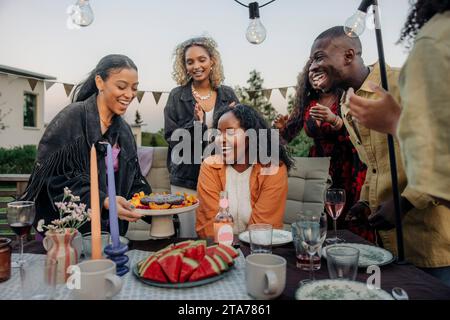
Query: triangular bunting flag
column 33, row 83
column 251, row 94
column 140, row 95
column 48, row 84
column 157, row 96
column 283, row 91
column 68, row 87
column 267, row 93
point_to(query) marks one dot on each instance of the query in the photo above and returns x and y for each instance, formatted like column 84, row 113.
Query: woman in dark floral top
column 318, row 113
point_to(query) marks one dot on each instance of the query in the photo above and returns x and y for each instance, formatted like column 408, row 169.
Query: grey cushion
column 308, row 181
column 158, row 176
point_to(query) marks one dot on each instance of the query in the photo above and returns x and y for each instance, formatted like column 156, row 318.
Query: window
column 30, row 110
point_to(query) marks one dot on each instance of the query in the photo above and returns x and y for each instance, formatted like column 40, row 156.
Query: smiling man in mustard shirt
column 426, row 223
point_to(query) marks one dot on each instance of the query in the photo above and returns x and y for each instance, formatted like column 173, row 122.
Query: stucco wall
column 15, row 134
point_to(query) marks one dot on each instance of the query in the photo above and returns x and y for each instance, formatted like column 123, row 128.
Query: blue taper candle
column 113, row 218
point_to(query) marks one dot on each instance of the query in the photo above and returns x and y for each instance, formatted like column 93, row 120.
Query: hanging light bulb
column 256, row 32
column 82, row 14
column 356, row 24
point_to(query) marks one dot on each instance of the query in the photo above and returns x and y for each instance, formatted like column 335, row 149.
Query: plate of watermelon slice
column 186, row 264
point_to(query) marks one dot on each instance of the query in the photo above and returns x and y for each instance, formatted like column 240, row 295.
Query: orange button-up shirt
column 268, row 194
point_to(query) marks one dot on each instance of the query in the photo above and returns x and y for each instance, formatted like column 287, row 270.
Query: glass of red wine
column 20, row 216
column 334, row 204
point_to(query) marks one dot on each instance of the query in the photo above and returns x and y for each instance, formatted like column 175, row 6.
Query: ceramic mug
column 265, row 275
column 95, row 280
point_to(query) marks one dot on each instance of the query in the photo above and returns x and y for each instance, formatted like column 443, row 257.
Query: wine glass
column 20, row 216
column 334, row 204
column 312, row 229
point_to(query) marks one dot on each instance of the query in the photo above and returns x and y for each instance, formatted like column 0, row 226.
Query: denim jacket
column 179, row 113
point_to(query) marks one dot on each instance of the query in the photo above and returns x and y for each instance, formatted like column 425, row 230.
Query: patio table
column 418, row 284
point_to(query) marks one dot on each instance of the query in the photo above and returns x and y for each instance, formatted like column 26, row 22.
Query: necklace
column 106, row 124
column 198, row 96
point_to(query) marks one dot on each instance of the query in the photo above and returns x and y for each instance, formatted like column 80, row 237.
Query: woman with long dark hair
column 257, row 187
column 318, row 113
column 93, row 117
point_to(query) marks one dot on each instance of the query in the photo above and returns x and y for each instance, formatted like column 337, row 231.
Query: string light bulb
column 356, row 24
column 81, row 13
column 256, row 32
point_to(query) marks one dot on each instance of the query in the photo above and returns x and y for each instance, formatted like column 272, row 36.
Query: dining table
column 418, row 284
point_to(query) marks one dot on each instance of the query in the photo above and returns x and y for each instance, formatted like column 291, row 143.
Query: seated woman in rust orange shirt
column 251, row 165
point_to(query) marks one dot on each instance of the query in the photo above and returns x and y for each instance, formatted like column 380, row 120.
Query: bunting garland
column 33, row 83
column 283, row 91
column 267, row 93
column 140, row 95
column 157, row 95
column 68, row 87
column 49, row 84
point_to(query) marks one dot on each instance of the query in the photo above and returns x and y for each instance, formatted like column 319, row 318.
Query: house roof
column 25, row 73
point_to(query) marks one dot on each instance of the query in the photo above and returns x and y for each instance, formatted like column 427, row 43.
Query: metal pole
column 392, row 160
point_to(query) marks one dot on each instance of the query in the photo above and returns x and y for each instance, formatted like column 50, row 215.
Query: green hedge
column 153, row 139
column 300, row 146
column 19, row 160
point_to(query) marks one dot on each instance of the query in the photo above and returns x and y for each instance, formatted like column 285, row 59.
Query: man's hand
column 125, row 210
column 381, row 115
column 384, row 217
column 359, row 213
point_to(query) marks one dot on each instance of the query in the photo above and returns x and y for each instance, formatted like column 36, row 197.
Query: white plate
column 368, row 255
column 166, row 212
column 279, row 237
column 339, row 290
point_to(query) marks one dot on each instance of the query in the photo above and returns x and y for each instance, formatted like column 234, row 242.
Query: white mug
column 265, row 275
column 95, row 280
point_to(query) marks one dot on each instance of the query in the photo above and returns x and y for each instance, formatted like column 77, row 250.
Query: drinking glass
column 342, row 262
column 87, row 241
column 301, row 254
column 334, row 203
column 38, row 278
column 312, row 233
column 260, row 238
column 20, row 216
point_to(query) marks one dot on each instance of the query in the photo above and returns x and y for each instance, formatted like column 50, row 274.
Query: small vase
column 62, row 247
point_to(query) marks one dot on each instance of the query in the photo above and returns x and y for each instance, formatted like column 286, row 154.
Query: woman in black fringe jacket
column 63, row 153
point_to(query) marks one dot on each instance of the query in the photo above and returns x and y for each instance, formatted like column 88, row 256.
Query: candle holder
column 119, row 257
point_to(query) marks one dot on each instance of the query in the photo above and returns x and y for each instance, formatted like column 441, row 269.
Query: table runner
column 231, row 287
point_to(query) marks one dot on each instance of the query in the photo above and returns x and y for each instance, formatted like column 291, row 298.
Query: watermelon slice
column 211, row 250
column 196, row 251
column 154, row 271
column 183, row 244
column 208, row 268
column 188, row 267
column 223, row 266
column 224, row 255
column 231, row 251
column 171, row 264
column 144, row 263
column 165, row 250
